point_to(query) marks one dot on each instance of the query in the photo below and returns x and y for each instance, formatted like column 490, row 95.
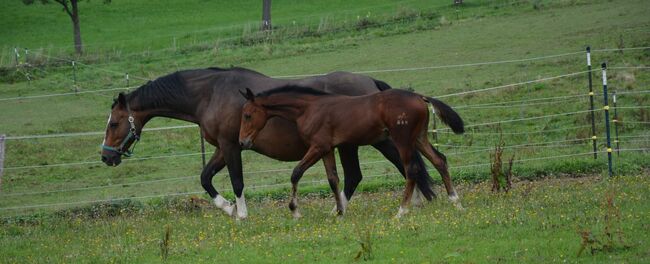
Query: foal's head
column 253, row 119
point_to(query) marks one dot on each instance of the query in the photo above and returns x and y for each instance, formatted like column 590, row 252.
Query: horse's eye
column 113, row 124
column 247, row 117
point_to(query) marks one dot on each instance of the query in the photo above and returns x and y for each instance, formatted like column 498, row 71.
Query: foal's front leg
column 312, row 156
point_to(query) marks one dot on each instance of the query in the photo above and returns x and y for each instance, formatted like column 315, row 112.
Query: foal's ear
column 248, row 95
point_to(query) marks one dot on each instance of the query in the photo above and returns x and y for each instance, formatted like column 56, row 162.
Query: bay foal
column 326, row 121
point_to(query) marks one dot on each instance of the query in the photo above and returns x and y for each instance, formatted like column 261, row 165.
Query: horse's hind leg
column 440, row 163
column 333, row 179
column 351, row 172
column 390, row 152
column 312, row 156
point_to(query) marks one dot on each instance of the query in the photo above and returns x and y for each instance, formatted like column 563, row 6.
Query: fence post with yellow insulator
column 606, row 108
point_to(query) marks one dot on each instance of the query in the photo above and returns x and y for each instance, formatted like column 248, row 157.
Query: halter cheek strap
column 132, row 135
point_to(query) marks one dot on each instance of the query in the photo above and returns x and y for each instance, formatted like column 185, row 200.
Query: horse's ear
column 248, row 94
column 121, row 99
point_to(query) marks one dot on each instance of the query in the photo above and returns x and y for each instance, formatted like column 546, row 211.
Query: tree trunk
column 266, row 15
column 75, row 27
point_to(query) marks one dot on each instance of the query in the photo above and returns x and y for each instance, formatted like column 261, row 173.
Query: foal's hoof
column 296, row 214
column 401, row 212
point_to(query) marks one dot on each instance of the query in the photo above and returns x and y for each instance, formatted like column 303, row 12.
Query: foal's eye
column 113, row 125
column 247, row 117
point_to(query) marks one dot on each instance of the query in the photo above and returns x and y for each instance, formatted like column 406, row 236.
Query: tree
column 72, row 9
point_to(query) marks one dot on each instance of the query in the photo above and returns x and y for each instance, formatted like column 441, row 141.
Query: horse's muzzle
column 246, row 143
column 111, row 159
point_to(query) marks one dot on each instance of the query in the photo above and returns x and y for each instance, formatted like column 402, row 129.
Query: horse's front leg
column 333, row 178
column 214, row 165
column 312, row 156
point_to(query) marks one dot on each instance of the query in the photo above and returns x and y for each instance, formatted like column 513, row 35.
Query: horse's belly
column 368, row 136
column 280, row 140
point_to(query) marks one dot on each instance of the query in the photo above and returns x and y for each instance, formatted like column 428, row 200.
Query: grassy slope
column 538, row 222
column 479, row 37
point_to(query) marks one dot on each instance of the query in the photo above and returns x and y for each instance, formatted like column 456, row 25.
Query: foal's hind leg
column 312, row 156
column 440, row 163
column 333, row 179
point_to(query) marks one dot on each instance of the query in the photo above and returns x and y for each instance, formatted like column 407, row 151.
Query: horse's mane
column 166, row 90
column 293, row 89
column 233, row 68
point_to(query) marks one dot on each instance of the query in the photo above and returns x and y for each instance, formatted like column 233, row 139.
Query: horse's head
column 122, row 131
column 253, row 119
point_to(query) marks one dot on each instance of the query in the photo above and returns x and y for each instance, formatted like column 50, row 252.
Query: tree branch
column 64, row 3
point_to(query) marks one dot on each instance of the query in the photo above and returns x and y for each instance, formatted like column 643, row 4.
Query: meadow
column 527, row 56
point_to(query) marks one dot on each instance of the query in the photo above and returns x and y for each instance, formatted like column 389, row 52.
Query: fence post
column 616, row 124
column 74, row 76
column 591, row 103
column 202, row 146
column 2, row 158
column 606, row 108
column 127, row 80
column 26, row 56
column 16, row 56
column 435, row 127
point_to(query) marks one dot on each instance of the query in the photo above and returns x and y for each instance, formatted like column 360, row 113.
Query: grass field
column 538, row 222
column 46, row 175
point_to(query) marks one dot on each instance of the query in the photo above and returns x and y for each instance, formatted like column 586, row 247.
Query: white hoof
column 456, row 201
column 222, row 203
column 242, row 210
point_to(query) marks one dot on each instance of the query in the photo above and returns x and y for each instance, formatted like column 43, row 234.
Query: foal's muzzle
column 246, row 143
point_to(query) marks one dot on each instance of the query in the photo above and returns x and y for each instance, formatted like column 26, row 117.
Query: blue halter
column 129, row 137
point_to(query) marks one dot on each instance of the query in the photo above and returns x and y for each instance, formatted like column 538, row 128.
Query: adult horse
column 211, row 99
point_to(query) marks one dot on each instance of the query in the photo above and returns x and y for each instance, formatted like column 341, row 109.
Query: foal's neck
column 290, row 108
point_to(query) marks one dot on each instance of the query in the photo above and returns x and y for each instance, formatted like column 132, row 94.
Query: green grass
column 536, row 222
column 532, row 224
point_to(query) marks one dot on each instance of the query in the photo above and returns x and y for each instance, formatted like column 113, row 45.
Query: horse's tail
column 419, row 173
column 447, row 115
column 381, row 85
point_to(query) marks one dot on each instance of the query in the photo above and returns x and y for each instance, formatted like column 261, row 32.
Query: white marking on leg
column 224, row 204
column 456, row 201
column 242, row 211
column 402, row 211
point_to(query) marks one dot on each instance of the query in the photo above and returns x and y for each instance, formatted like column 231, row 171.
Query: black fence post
column 591, row 103
column 606, row 108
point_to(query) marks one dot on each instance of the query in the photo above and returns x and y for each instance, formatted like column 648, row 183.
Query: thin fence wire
column 266, row 171
column 257, row 186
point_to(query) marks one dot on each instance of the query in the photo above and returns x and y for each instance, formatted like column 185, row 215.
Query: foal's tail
column 447, row 115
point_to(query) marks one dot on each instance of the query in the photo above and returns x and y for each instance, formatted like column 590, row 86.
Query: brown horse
column 210, row 98
column 326, row 121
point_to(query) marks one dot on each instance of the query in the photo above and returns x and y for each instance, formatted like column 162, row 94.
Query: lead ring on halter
column 131, row 136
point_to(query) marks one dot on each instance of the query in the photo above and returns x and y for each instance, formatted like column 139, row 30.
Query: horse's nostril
column 241, row 144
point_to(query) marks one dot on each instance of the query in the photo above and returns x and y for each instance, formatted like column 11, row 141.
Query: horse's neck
column 286, row 107
column 180, row 112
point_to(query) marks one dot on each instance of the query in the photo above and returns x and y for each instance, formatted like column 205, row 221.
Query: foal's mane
column 293, row 89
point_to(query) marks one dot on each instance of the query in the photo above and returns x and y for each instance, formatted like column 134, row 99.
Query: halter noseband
column 132, row 135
